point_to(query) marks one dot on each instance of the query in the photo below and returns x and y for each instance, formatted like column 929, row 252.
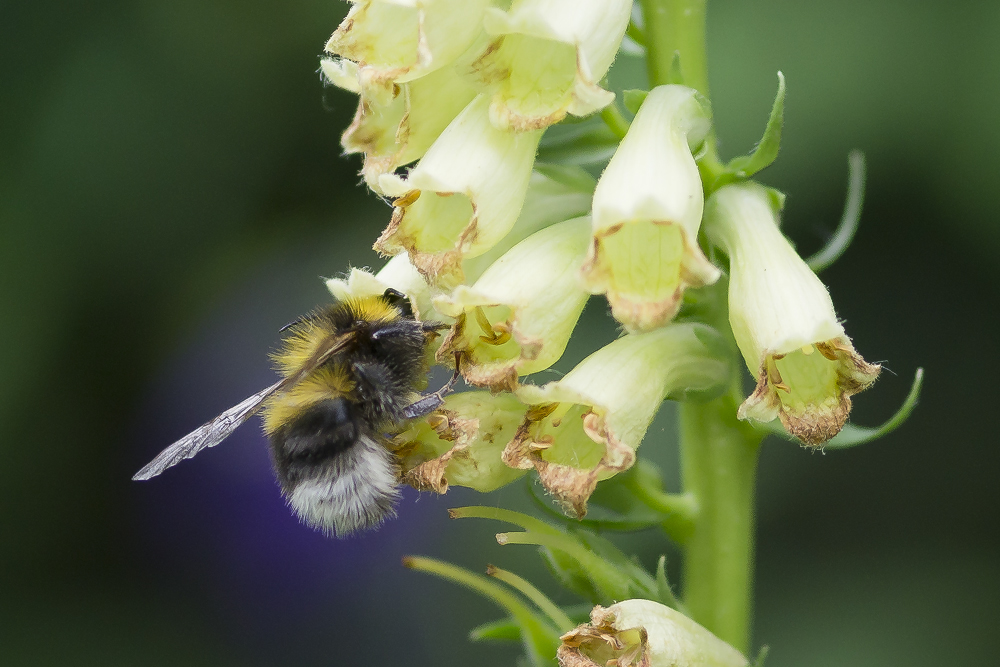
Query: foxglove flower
column 397, row 274
column 783, row 320
column 461, row 443
column 462, row 197
column 395, row 41
column 547, row 57
column 642, row 633
column 586, row 426
column 395, row 127
column 647, row 211
column 518, row 317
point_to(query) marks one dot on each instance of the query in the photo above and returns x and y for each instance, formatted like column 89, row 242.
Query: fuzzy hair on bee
column 351, row 379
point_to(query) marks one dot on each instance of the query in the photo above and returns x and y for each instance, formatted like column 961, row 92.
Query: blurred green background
column 171, row 189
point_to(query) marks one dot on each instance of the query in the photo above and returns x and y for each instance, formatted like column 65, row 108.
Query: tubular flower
column 586, row 426
column 397, row 126
column 461, row 443
column 518, row 317
column 783, row 320
column 395, row 41
column 647, row 211
column 398, row 274
column 546, row 58
column 642, row 633
column 462, row 197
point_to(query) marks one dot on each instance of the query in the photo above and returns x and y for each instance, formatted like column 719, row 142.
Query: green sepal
column 851, row 435
column 664, row 592
column 766, row 151
column 850, row 218
column 633, row 99
column 761, row 656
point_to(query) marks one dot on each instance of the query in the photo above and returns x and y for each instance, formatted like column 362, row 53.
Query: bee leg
column 431, row 402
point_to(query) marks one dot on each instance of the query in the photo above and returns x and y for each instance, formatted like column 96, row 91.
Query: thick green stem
column 676, row 26
column 718, row 467
column 718, row 452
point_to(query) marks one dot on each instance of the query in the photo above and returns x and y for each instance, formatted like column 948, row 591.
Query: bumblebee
column 351, row 374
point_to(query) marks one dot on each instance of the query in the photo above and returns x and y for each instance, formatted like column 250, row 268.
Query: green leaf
column 761, row 656
column 540, row 638
column 850, row 219
column 507, row 629
column 633, row 99
column 612, row 507
column 504, row 630
column 851, row 435
column 571, row 176
column 767, row 149
column 585, row 143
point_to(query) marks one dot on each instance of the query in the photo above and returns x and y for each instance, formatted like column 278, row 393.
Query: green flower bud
column 547, row 58
column 783, row 320
column 462, row 198
column 518, row 317
column 642, row 633
column 647, row 211
column 395, row 41
column 586, row 426
column 461, row 443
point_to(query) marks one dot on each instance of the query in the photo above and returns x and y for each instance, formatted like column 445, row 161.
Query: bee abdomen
column 335, row 476
column 322, row 431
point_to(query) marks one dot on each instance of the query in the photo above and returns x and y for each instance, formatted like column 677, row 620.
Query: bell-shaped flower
column 647, row 211
column 462, row 197
column 586, row 426
column 397, row 274
column 461, row 443
column 395, row 41
column 783, row 320
column 547, row 57
column 643, row 633
column 397, row 127
column 518, row 317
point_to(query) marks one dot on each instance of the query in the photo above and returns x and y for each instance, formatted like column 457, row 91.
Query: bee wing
column 220, row 428
column 206, row 435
